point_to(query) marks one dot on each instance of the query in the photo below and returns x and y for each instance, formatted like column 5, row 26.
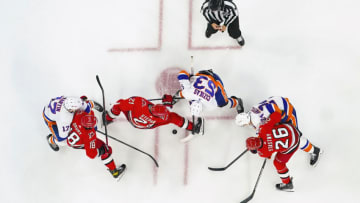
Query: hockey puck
column 174, row 131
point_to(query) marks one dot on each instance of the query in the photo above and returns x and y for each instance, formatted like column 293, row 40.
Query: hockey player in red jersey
column 282, row 139
column 59, row 113
column 143, row 114
column 278, row 110
column 83, row 136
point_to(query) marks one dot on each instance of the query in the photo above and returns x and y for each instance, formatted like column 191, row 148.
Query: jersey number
column 280, row 133
column 210, row 85
column 53, row 104
column 73, row 138
column 265, row 103
column 140, row 120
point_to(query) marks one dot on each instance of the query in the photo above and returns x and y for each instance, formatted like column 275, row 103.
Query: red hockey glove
column 168, row 100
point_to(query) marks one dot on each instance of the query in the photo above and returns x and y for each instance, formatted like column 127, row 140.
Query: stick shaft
column 227, row 166
column 124, row 143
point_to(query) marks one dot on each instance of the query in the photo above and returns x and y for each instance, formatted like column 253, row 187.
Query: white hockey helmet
column 243, row 119
column 72, row 104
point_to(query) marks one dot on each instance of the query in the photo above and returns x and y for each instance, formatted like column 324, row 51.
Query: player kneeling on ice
column 278, row 110
column 59, row 113
column 206, row 88
column 83, row 136
column 143, row 114
column 282, row 139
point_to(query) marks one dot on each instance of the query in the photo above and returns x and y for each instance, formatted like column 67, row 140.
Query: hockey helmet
column 253, row 143
column 88, row 121
column 72, row 104
column 159, row 110
column 216, row 5
column 207, row 72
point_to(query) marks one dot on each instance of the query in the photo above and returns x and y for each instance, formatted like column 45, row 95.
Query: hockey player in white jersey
column 58, row 115
column 205, row 88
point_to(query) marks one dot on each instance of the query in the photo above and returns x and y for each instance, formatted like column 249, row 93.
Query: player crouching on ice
column 59, row 113
column 206, row 88
column 83, row 136
column 143, row 114
column 71, row 119
column 276, row 124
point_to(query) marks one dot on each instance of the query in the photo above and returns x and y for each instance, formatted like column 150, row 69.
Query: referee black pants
column 233, row 29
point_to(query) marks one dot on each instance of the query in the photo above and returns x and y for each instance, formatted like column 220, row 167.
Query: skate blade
column 121, row 175
column 286, row 190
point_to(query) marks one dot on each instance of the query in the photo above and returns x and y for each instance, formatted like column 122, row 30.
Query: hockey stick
column 257, row 181
column 156, row 163
column 192, row 73
column 224, row 168
column 104, row 112
column 161, row 99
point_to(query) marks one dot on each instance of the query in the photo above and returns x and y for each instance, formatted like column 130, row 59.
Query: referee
column 222, row 14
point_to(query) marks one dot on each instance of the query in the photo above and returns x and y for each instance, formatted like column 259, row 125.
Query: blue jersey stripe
column 285, row 106
column 183, row 77
column 270, row 108
column 216, row 77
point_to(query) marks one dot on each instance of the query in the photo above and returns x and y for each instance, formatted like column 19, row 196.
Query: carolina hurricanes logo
column 142, row 121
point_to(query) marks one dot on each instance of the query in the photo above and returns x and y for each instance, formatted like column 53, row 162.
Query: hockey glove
column 196, row 108
column 253, row 151
column 168, row 100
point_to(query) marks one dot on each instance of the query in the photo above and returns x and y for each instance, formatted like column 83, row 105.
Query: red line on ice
column 159, row 42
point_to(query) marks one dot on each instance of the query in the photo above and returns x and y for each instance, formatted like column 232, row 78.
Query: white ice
column 305, row 50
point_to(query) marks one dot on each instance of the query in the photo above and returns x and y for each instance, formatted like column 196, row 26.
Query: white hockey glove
column 196, row 108
column 242, row 119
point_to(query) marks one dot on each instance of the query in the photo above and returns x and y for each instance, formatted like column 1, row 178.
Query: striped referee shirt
column 222, row 17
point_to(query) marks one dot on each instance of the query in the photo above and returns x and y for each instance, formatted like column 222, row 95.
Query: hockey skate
column 314, row 157
column 285, row 187
column 240, row 40
column 118, row 172
column 198, row 128
column 53, row 146
column 240, row 105
column 106, row 121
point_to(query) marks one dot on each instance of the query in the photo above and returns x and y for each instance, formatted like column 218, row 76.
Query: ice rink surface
column 305, row 50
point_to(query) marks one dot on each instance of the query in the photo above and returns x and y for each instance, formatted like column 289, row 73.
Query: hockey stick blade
column 248, row 198
column 217, row 169
column 257, row 181
column 227, row 166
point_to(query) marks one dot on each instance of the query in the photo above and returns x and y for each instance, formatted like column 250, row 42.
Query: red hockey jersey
column 283, row 138
column 136, row 110
column 83, row 138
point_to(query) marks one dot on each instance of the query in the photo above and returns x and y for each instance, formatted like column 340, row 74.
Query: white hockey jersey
column 55, row 112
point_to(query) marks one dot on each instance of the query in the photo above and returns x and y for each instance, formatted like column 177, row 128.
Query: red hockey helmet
column 253, row 143
column 88, row 121
column 159, row 110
